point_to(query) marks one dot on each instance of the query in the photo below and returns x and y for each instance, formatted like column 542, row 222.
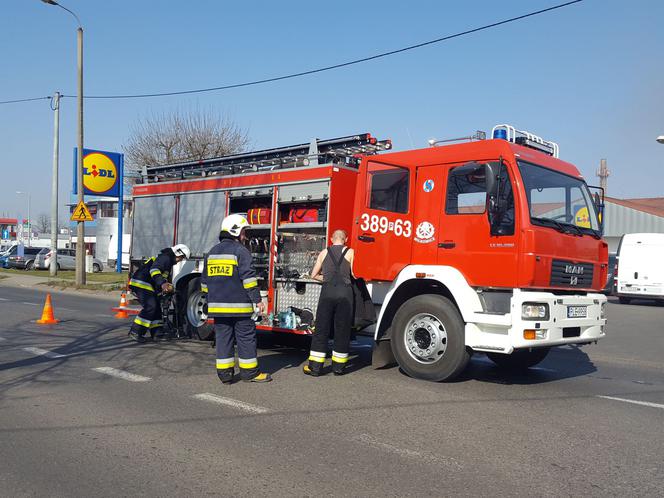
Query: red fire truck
column 489, row 246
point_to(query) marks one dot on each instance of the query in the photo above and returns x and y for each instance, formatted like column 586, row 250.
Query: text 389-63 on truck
column 488, row 246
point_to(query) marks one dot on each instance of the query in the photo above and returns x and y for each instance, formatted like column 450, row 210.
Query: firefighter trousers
column 149, row 319
column 335, row 312
column 232, row 331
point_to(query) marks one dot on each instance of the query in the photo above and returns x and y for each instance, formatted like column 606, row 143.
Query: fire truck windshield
column 559, row 201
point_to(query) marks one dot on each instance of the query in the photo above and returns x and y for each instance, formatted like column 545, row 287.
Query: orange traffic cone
column 122, row 309
column 47, row 315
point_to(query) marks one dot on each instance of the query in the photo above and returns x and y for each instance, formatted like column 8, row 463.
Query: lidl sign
column 102, row 172
column 581, row 217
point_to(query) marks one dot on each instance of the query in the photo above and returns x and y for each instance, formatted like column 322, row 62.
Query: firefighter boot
column 306, row 369
column 339, row 361
column 260, row 378
column 136, row 334
column 315, row 366
column 226, row 375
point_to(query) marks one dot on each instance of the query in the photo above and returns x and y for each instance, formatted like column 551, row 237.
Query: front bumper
column 505, row 333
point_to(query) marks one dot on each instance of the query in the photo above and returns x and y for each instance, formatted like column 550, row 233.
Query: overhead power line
column 326, row 68
column 23, row 100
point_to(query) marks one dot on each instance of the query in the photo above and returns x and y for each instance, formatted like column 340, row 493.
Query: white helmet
column 233, row 224
column 181, row 250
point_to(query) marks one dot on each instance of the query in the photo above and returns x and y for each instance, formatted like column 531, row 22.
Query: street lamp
column 80, row 228
column 660, row 139
column 18, row 192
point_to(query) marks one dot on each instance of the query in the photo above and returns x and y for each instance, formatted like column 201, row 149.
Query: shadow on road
column 561, row 363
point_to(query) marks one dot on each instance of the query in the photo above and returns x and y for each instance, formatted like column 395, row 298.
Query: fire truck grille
column 570, row 274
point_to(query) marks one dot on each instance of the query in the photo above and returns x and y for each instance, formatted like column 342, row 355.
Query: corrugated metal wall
column 619, row 220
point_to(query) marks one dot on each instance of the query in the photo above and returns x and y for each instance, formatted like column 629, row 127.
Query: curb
column 29, row 282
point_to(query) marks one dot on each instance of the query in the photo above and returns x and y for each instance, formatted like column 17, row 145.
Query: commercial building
column 639, row 215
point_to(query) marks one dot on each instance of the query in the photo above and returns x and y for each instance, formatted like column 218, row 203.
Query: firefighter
column 232, row 287
column 335, row 306
column 150, row 279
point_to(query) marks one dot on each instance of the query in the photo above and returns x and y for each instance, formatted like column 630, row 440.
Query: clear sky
column 589, row 76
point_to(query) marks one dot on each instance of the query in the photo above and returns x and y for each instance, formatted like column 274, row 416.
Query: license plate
column 577, row 311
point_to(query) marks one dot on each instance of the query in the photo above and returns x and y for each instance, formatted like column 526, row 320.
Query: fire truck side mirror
column 492, row 174
column 491, row 178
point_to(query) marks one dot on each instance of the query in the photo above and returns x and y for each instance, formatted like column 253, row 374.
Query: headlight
column 535, row 311
column 602, row 313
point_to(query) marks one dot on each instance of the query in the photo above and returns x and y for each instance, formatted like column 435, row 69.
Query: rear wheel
column 520, row 359
column 624, row 300
column 30, row 265
column 196, row 312
column 428, row 339
column 96, row 267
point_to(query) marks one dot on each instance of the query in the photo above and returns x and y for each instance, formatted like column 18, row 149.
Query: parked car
column 640, row 273
column 610, row 277
column 66, row 260
column 4, row 257
column 25, row 262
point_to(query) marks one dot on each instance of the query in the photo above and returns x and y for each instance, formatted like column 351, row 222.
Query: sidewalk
column 32, row 281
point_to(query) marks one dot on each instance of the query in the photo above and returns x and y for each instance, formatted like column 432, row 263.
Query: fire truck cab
column 489, row 246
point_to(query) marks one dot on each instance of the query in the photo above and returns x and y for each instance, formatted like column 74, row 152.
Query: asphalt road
column 86, row 412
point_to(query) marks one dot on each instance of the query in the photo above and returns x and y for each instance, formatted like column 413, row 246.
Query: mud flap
column 381, row 356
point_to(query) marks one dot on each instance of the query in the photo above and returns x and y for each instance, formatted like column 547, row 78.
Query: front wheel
column 30, row 265
column 520, row 359
column 96, row 268
column 196, row 312
column 428, row 339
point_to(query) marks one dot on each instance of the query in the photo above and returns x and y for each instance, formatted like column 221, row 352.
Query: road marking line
column 3, row 299
column 121, row 374
column 231, row 402
column 44, row 352
column 542, row 369
column 403, row 452
column 102, row 316
column 2, row 339
column 66, row 309
column 644, row 403
column 31, row 304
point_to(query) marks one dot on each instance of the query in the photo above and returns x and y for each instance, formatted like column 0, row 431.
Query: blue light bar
column 500, row 133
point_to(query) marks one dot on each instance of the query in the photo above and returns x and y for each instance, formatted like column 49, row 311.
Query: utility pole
column 603, row 173
column 54, row 185
column 80, row 229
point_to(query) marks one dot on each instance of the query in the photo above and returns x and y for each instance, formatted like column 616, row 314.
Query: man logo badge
column 574, row 280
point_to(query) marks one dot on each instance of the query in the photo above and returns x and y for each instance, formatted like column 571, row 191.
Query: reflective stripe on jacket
column 154, row 271
column 230, row 280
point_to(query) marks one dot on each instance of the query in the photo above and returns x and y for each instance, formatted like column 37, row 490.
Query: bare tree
column 43, row 224
column 182, row 136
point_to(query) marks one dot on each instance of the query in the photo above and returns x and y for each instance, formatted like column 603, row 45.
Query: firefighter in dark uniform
column 335, row 306
column 150, row 279
column 232, row 287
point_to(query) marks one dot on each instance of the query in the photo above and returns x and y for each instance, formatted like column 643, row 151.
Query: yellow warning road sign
column 81, row 213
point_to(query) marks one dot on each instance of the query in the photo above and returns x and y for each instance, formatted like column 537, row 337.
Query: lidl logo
column 581, row 218
column 99, row 173
column 102, row 173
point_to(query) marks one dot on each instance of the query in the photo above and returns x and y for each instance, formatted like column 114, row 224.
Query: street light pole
column 660, row 139
column 80, row 228
column 54, row 185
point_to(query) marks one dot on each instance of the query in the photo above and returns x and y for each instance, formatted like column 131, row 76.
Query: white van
column 113, row 251
column 640, row 267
